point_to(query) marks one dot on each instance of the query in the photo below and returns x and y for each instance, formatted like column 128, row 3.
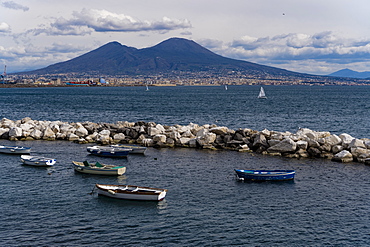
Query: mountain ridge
column 351, row 74
column 174, row 54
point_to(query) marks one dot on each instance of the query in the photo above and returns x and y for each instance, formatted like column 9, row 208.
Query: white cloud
column 4, row 27
column 13, row 5
column 90, row 20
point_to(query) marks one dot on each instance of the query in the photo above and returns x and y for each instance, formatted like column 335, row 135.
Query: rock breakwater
column 305, row 143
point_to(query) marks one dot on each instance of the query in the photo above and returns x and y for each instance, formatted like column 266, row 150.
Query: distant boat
column 97, row 168
column 131, row 192
column 37, row 160
column 14, row 150
column 265, row 175
column 262, row 94
column 147, row 88
column 225, row 87
column 112, row 152
column 134, row 149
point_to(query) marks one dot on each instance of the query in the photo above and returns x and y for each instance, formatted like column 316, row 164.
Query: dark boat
column 265, row 175
column 109, row 151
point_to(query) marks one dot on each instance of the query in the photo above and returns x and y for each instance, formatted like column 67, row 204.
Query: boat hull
column 109, row 152
column 265, row 175
column 134, row 149
column 109, row 170
column 130, row 192
column 37, row 160
column 15, row 150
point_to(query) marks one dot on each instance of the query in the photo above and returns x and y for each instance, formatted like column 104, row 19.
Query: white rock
column 7, row 123
column 72, row 137
column 153, row 131
column 286, row 145
column 207, row 138
column 36, row 134
column 81, row 131
column 356, row 143
column 184, row 140
column 346, row 139
column 219, row 130
column 48, row 134
column 302, row 145
column 343, row 156
column 336, row 149
column 333, row 140
column 3, row 130
column 15, row 132
column 119, row 137
column 159, row 138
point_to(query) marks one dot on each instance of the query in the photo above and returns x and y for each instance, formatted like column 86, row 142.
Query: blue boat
column 112, row 152
column 265, row 175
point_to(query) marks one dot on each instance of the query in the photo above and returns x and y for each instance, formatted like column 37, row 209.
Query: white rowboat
column 37, row 160
column 131, row 192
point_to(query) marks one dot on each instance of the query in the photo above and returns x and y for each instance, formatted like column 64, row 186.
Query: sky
column 308, row 36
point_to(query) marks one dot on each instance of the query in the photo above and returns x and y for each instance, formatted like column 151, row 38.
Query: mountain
column 174, row 54
column 351, row 74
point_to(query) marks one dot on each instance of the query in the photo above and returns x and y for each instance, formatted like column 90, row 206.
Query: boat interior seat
column 86, row 163
column 97, row 164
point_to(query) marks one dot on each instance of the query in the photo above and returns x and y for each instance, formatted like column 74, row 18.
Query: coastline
column 305, row 143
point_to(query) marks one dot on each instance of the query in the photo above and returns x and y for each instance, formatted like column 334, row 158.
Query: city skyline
column 315, row 37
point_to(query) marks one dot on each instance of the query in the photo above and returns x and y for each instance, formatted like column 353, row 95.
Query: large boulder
column 356, row 143
column 285, row 146
column 7, row 123
column 206, row 138
column 346, row 139
column 119, row 137
column 158, row 129
column 48, row 134
column 219, row 130
column 36, row 134
column 333, row 140
column 260, row 141
column 343, row 156
column 15, row 132
column 159, row 138
column 81, row 131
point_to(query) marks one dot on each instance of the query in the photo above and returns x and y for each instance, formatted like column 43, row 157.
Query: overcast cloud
column 317, row 37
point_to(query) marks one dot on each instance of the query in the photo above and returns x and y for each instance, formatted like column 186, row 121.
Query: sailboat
column 225, row 87
column 262, row 94
column 147, row 88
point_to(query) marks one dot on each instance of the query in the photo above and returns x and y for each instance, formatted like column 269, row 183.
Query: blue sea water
column 326, row 205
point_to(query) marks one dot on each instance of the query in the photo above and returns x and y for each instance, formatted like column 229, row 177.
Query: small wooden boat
column 113, row 152
column 37, row 160
column 14, row 150
column 265, row 175
column 134, row 148
column 131, row 192
column 97, row 168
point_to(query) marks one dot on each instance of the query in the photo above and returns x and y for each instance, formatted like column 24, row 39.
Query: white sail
column 262, row 94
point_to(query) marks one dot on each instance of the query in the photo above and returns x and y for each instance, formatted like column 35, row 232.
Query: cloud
column 25, row 58
column 90, row 20
column 296, row 46
column 13, row 5
column 4, row 27
column 296, row 51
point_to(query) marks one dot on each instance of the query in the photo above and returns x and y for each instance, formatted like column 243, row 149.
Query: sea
column 327, row 204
